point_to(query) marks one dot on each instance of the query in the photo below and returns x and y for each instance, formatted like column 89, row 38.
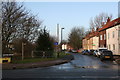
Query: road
column 83, row 67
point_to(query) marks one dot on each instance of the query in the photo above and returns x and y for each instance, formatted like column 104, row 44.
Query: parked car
column 98, row 52
column 91, row 52
column 74, row 51
column 106, row 54
column 85, row 52
column 95, row 53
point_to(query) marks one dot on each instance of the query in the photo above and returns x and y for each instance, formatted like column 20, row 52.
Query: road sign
column 56, row 43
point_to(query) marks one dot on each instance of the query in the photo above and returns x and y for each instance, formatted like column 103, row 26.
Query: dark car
column 85, row 52
column 91, row 52
column 106, row 54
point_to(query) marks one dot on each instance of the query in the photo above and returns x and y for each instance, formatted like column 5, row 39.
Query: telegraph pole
column 58, row 33
column 61, row 37
column 23, row 44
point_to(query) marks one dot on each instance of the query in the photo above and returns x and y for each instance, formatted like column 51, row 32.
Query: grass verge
column 32, row 60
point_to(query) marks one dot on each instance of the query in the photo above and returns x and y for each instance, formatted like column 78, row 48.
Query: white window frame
column 104, row 36
column 119, row 33
column 113, row 46
column 100, row 37
column 109, row 47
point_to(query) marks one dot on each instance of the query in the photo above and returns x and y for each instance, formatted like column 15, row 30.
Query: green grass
column 32, row 60
column 62, row 54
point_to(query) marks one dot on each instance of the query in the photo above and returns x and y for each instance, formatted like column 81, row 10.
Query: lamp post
column 61, row 37
column 23, row 44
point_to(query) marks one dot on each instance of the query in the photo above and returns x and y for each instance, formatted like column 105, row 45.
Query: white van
column 98, row 51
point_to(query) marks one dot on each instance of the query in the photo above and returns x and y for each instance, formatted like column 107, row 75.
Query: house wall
column 102, row 43
column 88, row 41
column 119, row 39
column 85, row 44
column 91, row 43
column 95, row 42
column 113, row 39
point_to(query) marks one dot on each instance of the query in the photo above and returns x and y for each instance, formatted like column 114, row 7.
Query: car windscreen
column 107, row 52
column 102, row 49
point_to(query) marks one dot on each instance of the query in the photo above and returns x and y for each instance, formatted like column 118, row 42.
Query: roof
column 91, row 34
column 110, row 24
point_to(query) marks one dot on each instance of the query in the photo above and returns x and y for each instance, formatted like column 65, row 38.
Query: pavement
column 65, row 59
column 117, row 59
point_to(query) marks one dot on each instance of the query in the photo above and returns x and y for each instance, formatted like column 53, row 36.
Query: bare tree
column 17, row 22
column 99, row 20
column 75, row 37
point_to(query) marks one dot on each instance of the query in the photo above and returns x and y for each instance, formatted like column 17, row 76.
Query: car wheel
column 101, row 59
column 98, row 56
column 112, row 59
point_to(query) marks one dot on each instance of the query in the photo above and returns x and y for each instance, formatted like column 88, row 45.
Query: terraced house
column 91, row 41
column 113, row 36
column 102, row 35
column 108, row 37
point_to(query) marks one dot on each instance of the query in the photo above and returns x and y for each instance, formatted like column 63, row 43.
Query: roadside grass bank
column 38, row 62
column 59, row 55
column 32, row 60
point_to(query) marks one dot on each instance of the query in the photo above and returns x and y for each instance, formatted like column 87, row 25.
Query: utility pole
column 58, row 33
column 23, row 44
column 61, row 37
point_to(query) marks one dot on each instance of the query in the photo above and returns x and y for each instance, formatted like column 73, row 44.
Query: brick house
column 91, row 40
column 95, row 40
column 85, row 43
column 113, row 36
column 102, row 35
column 108, row 37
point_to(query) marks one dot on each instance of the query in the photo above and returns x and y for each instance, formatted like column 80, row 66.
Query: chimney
column 108, row 20
column 97, row 28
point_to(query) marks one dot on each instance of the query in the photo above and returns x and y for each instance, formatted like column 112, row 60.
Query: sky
column 69, row 14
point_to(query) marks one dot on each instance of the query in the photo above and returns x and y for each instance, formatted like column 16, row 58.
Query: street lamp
column 61, row 37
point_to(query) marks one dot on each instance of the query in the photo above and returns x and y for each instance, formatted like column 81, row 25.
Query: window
column 100, row 37
column 119, row 46
column 108, row 36
column 113, row 34
column 104, row 36
column 113, row 46
column 119, row 33
column 109, row 46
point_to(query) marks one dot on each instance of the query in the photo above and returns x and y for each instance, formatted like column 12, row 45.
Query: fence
column 43, row 54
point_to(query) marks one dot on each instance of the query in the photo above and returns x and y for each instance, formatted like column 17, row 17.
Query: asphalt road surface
column 83, row 67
